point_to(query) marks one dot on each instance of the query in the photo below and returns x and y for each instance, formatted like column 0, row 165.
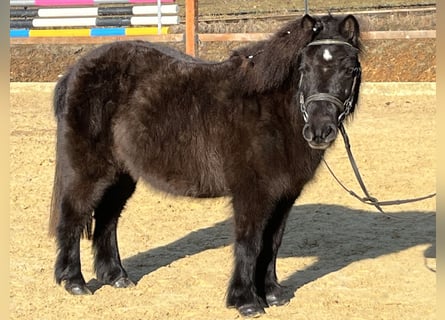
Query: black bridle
column 345, row 107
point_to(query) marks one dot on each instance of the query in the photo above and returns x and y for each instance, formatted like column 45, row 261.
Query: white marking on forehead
column 327, row 55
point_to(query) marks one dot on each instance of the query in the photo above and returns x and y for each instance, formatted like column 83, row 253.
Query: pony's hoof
column 275, row 301
column 251, row 311
column 77, row 289
column 123, row 282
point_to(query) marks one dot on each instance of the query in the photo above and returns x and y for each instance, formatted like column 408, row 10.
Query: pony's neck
column 271, row 64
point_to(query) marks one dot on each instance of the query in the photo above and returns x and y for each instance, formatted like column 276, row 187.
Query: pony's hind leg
column 75, row 197
column 74, row 222
column 107, row 262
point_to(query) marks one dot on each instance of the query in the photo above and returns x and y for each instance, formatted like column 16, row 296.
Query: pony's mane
column 269, row 63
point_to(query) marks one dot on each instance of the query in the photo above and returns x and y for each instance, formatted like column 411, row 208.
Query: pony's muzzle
column 320, row 136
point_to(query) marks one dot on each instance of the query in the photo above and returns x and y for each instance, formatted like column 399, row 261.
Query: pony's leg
column 75, row 220
column 266, row 277
column 250, row 212
column 107, row 261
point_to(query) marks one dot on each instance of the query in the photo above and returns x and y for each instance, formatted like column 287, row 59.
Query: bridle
column 346, row 106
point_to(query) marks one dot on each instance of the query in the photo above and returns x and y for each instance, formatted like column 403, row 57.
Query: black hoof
column 275, row 301
column 123, row 283
column 77, row 289
column 251, row 311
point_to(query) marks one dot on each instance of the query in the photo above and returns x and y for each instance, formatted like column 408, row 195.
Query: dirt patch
column 340, row 258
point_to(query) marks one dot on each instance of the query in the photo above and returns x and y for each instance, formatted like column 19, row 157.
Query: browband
column 330, row 41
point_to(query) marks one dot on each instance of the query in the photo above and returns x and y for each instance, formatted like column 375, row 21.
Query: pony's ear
column 307, row 22
column 312, row 24
column 349, row 28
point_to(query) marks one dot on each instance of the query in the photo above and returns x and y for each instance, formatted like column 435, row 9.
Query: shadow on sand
column 323, row 231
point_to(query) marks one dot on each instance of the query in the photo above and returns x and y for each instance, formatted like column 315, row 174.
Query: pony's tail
column 55, row 201
column 59, row 107
column 60, row 95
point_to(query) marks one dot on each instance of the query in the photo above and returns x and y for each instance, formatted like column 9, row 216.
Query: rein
column 368, row 199
column 345, row 108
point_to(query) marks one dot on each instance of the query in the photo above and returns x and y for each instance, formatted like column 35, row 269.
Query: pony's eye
column 351, row 71
column 355, row 70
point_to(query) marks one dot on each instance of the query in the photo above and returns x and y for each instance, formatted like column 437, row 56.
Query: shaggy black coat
column 133, row 109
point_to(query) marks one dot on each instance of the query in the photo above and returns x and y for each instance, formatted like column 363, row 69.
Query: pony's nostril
column 326, row 132
column 307, row 133
column 329, row 133
column 319, row 136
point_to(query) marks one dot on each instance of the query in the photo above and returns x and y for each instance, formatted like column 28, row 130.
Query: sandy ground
column 341, row 259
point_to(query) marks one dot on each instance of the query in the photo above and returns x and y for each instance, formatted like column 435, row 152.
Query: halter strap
column 326, row 97
column 330, row 41
column 346, row 106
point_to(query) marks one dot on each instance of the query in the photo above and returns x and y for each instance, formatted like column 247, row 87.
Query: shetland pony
column 253, row 127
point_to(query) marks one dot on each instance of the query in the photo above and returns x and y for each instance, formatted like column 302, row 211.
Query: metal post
column 306, row 7
column 159, row 17
column 191, row 27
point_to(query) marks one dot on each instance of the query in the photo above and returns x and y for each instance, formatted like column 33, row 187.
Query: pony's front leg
column 250, row 217
column 272, row 291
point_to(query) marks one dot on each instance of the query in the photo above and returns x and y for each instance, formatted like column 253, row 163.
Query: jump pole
column 191, row 27
column 64, row 3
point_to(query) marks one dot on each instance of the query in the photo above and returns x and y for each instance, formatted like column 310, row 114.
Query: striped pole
column 99, row 22
column 27, row 16
column 62, row 3
column 93, row 11
column 24, row 20
column 93, row 32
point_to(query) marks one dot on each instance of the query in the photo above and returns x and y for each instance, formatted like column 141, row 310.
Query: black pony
column 254, row 127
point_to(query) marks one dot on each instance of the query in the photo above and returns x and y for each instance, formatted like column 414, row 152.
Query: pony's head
column 330, row 76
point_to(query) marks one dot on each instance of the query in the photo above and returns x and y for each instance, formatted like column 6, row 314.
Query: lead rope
column 368, row 199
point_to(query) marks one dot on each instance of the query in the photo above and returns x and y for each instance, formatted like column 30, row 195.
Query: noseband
column 346, row 106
